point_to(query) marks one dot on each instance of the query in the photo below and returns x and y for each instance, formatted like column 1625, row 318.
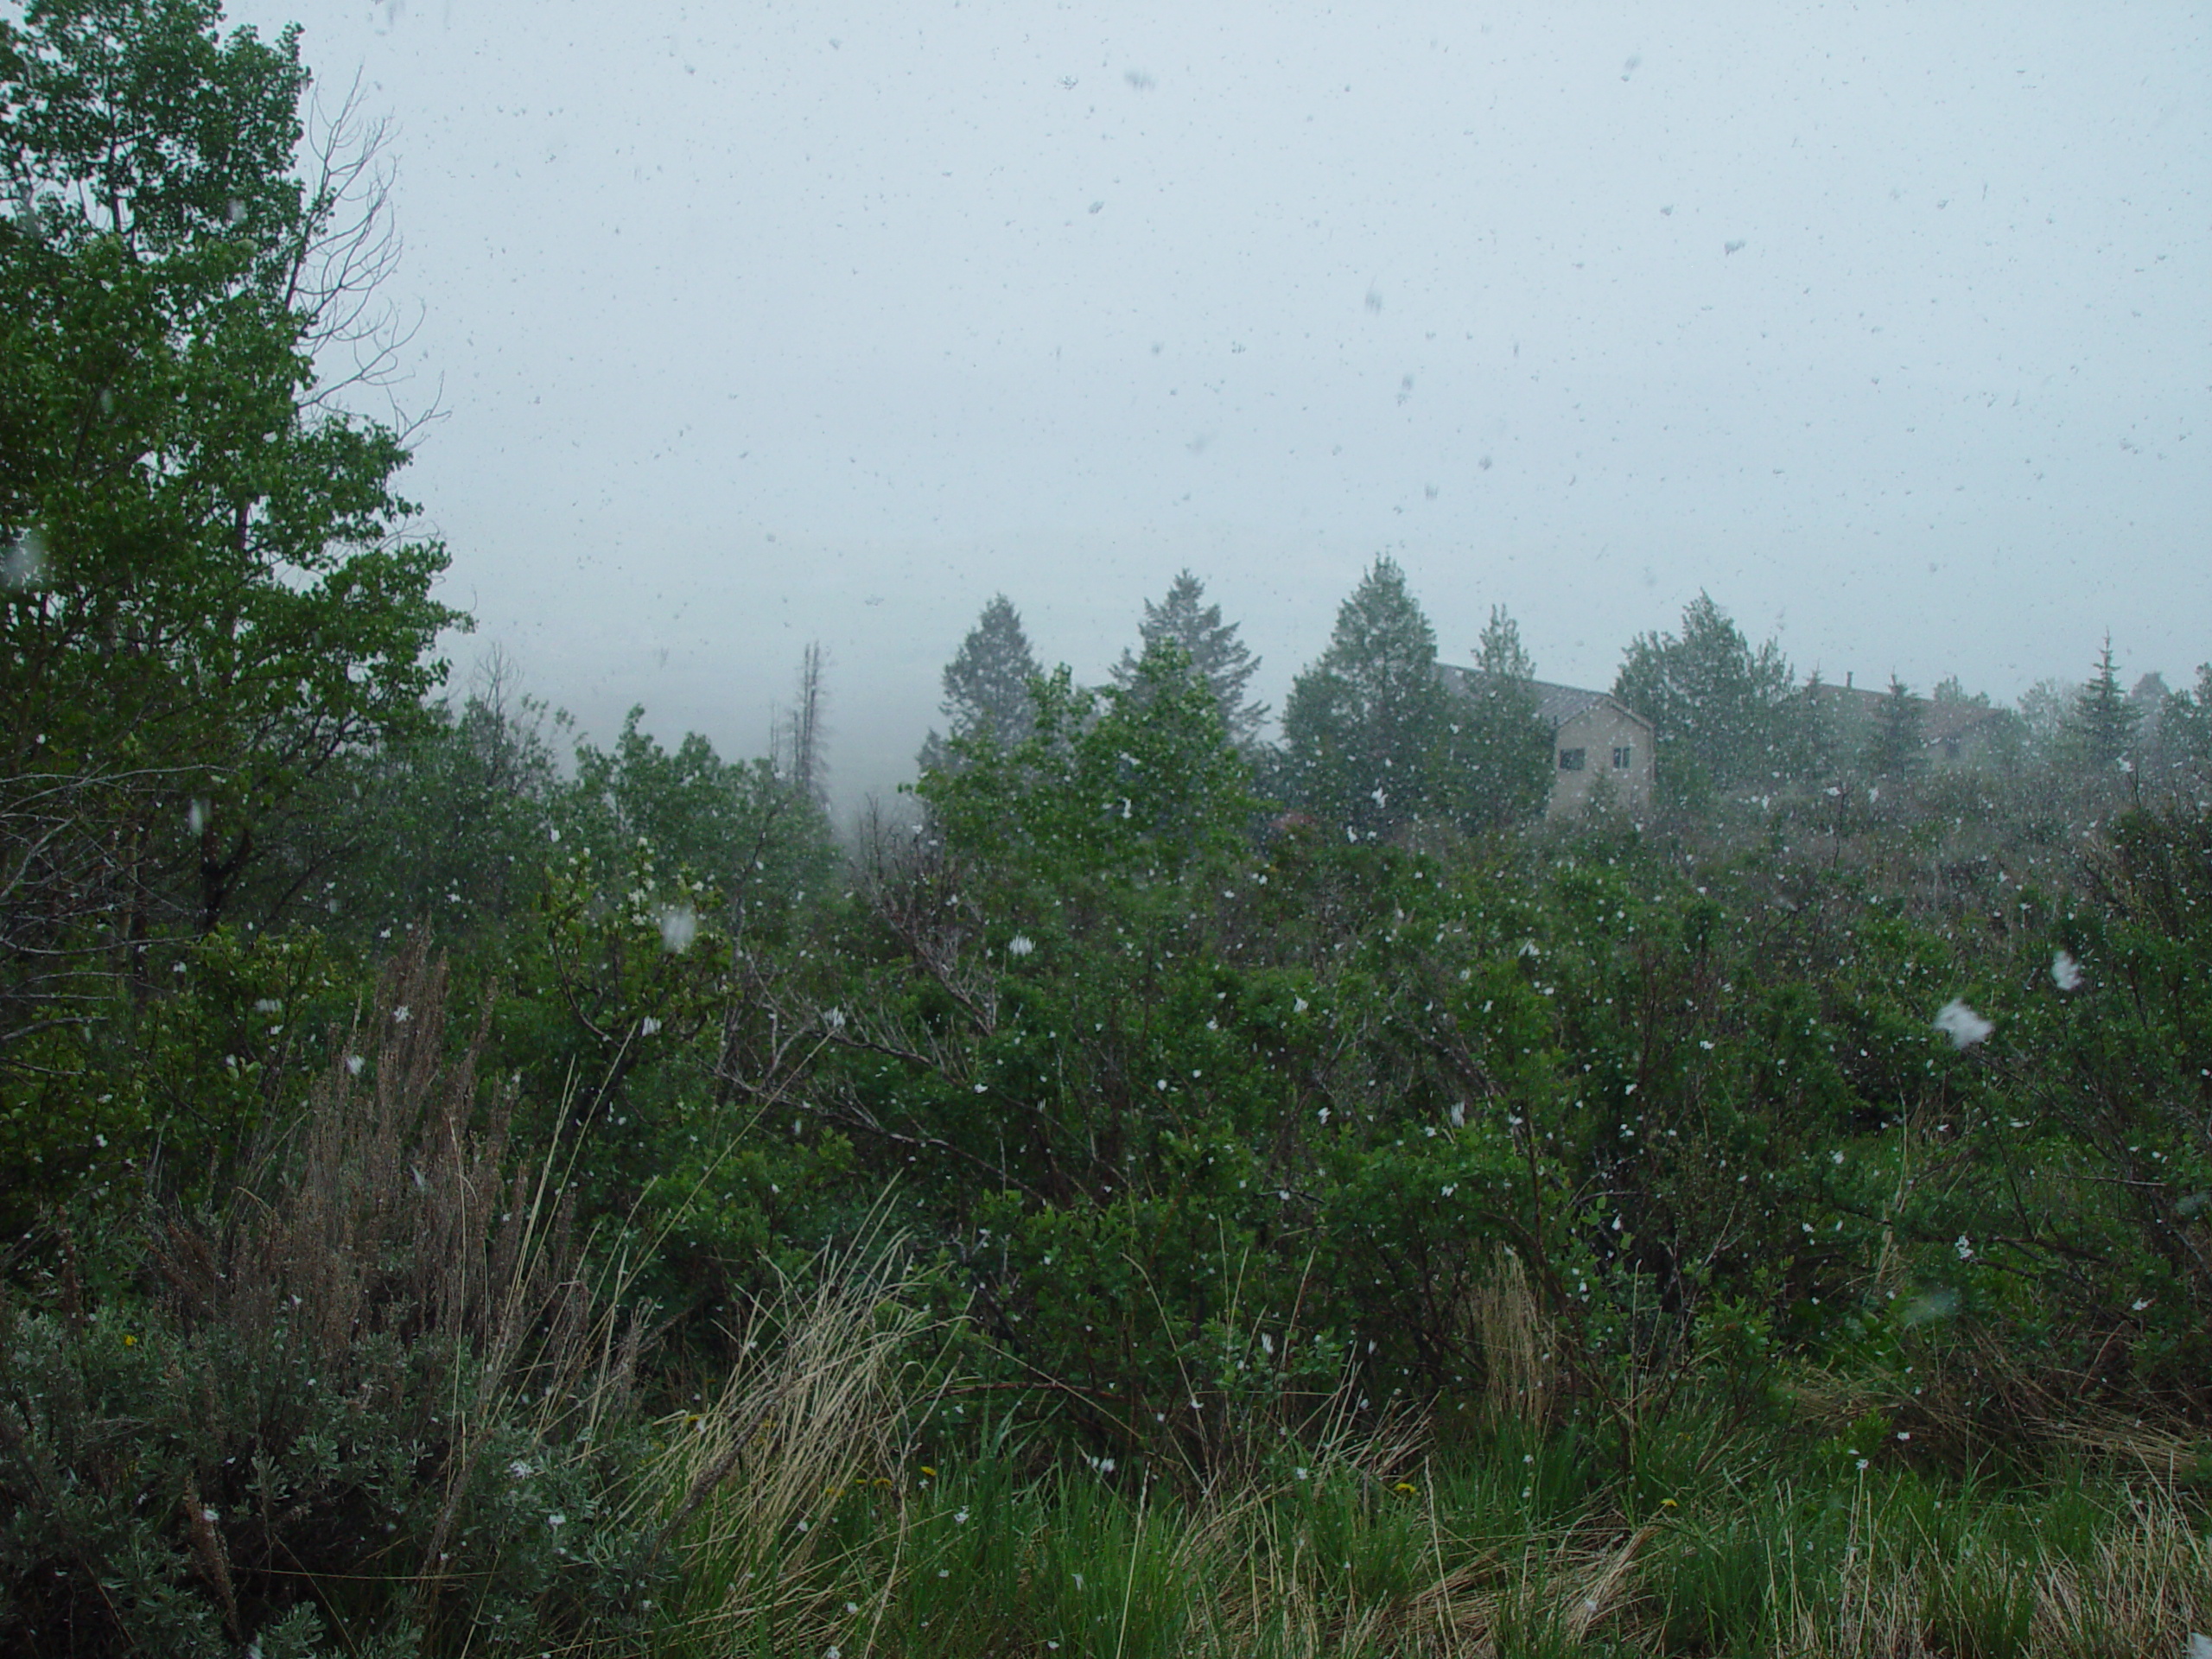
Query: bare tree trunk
column 810, row 772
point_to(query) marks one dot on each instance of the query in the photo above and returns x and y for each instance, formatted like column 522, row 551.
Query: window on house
column 1571, row 760
column 1623, row 755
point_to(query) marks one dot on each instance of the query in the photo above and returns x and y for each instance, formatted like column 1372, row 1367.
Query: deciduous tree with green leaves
column 212, row 595
column 212, row 591
column 758, row 836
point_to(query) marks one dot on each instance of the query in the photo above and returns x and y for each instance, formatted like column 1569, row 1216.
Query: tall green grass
column 1519, row 1546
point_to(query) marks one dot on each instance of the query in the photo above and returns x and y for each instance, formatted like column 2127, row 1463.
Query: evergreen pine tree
column 1500, row 745
column 986, row 687
column 1898, row 745
column 2104, row 719
column 1216, row 655
column 2185, row 729
column 1367, row 727
column 1727, row 716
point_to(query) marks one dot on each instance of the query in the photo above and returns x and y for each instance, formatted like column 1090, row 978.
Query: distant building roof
column 1555, row 704
column 1940, row 722
column 1952, row 721
column 1829, row 691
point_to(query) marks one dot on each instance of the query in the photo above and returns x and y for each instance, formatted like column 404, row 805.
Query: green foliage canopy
column 986, row 684
column 1367, row 728
column 1727, row 716
column 1500, row 747
column 1897, row 744
column 1218, row 657
column 211, row 591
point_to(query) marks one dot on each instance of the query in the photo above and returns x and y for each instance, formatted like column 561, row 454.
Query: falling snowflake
column 679, row 925
column 2065, row 972
column 1961, row 1024
column 1020, row 945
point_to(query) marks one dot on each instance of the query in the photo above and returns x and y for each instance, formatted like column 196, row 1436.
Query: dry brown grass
column 1519, row 1346
column 820, row 1402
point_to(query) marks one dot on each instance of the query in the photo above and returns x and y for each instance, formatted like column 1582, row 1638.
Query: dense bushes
column 367, row 1400
column 1211, row 1140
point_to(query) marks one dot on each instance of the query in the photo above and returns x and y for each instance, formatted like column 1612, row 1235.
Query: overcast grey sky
column 1889, row 325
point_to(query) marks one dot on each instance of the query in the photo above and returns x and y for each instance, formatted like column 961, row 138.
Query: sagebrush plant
column 370, row 1402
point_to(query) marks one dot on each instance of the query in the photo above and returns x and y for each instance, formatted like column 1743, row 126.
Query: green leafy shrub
column 368, row 1404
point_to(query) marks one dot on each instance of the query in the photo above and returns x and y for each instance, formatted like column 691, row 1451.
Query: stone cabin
column 1594, row 738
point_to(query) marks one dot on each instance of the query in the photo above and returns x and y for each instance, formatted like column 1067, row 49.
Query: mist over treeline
column 1746, row 710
